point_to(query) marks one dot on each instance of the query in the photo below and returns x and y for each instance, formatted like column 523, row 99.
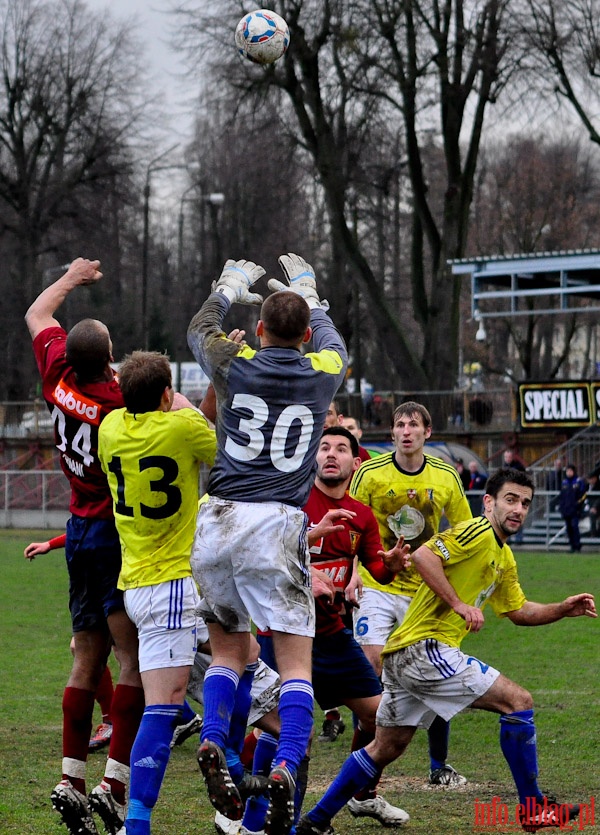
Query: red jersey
column 334, row 554
column 77, row 411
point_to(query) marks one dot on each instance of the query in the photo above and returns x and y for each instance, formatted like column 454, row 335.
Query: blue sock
column 296, row 717
column 358, row 770
column 256, row 807
column 439, row 734
column 149, row 758
column 255, row 813
column 220, row 684
column 187, row 714
column 239, row 723
column 264, row 754
column 518, row 744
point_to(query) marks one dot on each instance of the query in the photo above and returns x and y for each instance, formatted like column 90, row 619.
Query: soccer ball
column 262, row 36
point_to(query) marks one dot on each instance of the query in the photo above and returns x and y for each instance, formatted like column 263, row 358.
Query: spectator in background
column 593, row 498
column 510, row 460
column 465, row 475
column 572, row 497
column 554, row 479
column 476, row 486
column 353, row 426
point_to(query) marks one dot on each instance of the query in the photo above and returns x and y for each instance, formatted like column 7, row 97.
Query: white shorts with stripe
column 430, row 679
column 379, row 614
column 165, row 617
column 251, row 562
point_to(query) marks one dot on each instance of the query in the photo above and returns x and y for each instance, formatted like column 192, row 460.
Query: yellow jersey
column 409, row 505
column 479, row 567
column 152, row 461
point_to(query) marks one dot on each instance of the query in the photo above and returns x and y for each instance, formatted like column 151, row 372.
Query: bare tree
column 70, row 100
column 425, row 67
column 565, row 38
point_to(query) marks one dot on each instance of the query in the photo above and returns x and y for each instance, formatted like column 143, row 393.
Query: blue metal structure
column 514, row 285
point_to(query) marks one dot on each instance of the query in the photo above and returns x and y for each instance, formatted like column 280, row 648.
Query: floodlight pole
column 152, row 167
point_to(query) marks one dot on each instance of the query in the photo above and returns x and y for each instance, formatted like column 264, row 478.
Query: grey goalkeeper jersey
column 271, row 406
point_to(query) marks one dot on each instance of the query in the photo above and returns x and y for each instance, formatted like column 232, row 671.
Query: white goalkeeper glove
column 301, row 277
column 236, row 279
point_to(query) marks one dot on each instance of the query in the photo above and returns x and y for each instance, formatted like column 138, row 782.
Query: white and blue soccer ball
column 262, row 36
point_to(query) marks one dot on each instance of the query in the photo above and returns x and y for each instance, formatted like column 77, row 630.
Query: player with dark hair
column 425, row 672
column 151, row 452
column 341, row 672
column 80, row 389
column 408, row 491
column 250, row 555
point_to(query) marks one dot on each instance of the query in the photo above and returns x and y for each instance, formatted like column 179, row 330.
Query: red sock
column 78, row 707
column 248, row 749
column 126, row 713
column 359, row 740
column 104, row 693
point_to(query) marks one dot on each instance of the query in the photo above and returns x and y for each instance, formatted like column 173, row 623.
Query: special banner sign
column 565, row 404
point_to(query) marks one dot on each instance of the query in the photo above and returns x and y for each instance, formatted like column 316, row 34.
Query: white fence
column 33, row 499
column 40, row 498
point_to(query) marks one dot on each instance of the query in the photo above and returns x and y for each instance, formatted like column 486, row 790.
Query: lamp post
column 214, row 200
column 152, row 167
column 184, row 199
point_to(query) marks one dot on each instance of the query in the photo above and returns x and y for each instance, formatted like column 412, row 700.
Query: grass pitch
column 559, row 663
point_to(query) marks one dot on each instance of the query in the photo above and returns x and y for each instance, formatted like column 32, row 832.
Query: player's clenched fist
column 84, row 270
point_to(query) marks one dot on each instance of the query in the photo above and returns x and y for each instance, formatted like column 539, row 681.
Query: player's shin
column 518, row 744
column 358, row 771
column 149, row 758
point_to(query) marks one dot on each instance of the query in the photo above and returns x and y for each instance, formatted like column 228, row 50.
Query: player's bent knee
column 389, row 744
column 523, row 701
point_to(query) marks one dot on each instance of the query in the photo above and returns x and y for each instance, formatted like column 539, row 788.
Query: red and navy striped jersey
column 77, row 411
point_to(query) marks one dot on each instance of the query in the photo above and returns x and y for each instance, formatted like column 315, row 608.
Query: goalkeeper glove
column 301, row 277
column 236, row 279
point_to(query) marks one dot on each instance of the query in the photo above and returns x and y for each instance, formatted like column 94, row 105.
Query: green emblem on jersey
column 407, row 522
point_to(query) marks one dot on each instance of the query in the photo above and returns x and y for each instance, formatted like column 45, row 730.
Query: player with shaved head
column 80, row 389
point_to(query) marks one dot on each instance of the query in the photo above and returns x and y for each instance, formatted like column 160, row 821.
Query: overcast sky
column 153, row 31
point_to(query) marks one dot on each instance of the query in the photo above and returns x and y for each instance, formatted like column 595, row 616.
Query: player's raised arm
column 41, row 313
column 302, row 281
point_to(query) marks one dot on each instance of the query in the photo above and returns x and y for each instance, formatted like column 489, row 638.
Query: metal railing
column 582, row 450
column 34, row 490
column 457, row 410
column 40, row 498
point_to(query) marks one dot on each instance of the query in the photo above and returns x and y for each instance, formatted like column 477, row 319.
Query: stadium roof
column 534, row 283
